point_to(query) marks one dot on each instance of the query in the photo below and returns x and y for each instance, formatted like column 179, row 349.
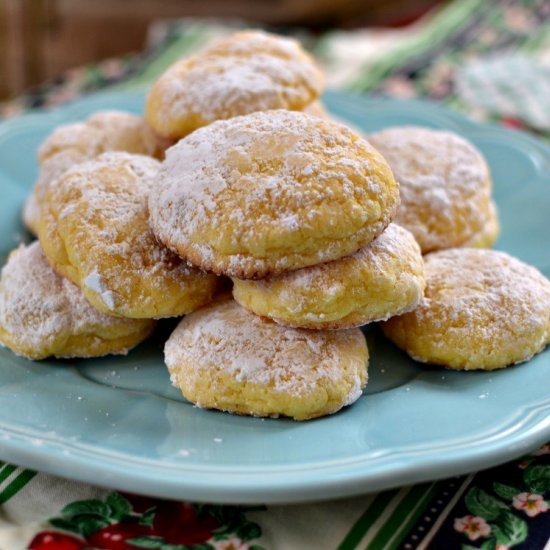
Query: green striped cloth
column 383, row 520
column 12, row 480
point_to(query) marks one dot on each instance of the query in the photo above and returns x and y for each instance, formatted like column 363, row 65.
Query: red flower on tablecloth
column 139, row 503
column 531, row 504
column 473, row 526
column 49, row 540
column 179, row 523
column 544, row 450
column 127, row 522
column 512, row 122
column 118, row 536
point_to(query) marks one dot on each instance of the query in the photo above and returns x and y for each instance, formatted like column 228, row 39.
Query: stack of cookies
column 259, row 186
column 296, row 210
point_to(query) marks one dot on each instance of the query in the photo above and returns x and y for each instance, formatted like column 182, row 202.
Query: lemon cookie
column 70, row 144
column 43, row 314
column 224, row 357
column 316, row 109
column 384, row 278
column 271, row 192
column 246, row 72
column 487, row 236
column 482, row 309
column 94, row 231
column 444, row 184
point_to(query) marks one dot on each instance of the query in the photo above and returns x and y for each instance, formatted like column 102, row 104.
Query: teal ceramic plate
column 118, row 422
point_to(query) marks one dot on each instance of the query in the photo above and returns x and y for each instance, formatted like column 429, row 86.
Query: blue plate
column 118, row 422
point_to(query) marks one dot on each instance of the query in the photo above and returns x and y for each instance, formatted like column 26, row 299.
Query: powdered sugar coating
column 50, row 169
column 43, row 314
column 71, row 144
column 482, row 309
column 444, row 184
column 246, row 72
column 94, row 230
column 486, row 237
column 103, row 131
column 382, row 279
column 225, row 357
column 271, row 192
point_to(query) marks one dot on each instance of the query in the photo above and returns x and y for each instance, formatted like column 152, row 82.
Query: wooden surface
column 42, row 38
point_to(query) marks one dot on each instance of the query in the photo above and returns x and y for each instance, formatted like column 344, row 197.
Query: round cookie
column 43, row 314
column 316, row 109
column 70, row 144
column 488, row 235
column 94, row 230
column 382, row 279
column 224, row 357
column 482, row 309
column 444, row 184
column 246, row 72
column 271, row 192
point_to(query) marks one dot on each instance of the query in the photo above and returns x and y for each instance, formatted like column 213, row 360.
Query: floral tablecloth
column 489, row 59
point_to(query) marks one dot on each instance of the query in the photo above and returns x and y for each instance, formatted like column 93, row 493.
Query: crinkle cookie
column 482, row 309
column 444, row 183
column 94, row 231
column 70, row 144
column 316, row 109
column 487, row 236
column 43, row 314
column 382, row 279
column 224, row 357
column 246, row 72
column 271, row 192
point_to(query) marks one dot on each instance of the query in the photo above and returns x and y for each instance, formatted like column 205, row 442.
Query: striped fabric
column 12, row 480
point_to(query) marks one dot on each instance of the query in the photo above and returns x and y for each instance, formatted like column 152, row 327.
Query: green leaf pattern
column 483, row 504
column 505, row 491
column 510, row 529
column 88, row 507
column 501, row 519
column 537, row 478
column 230, row 524
column 118, row 506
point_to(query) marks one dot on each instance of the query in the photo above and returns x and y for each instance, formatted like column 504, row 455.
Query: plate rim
column 282, row 485
column 264, row 486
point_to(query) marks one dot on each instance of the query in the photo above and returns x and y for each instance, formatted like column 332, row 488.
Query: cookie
column 271, row 192
column 316, row 109
column 382, row 279
column 482, row 309
column 70, row 144
column 94, row 230
column 246, row 72
column 43, row 314
column 224, row 357
column 444, row 183
column 487, row 236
